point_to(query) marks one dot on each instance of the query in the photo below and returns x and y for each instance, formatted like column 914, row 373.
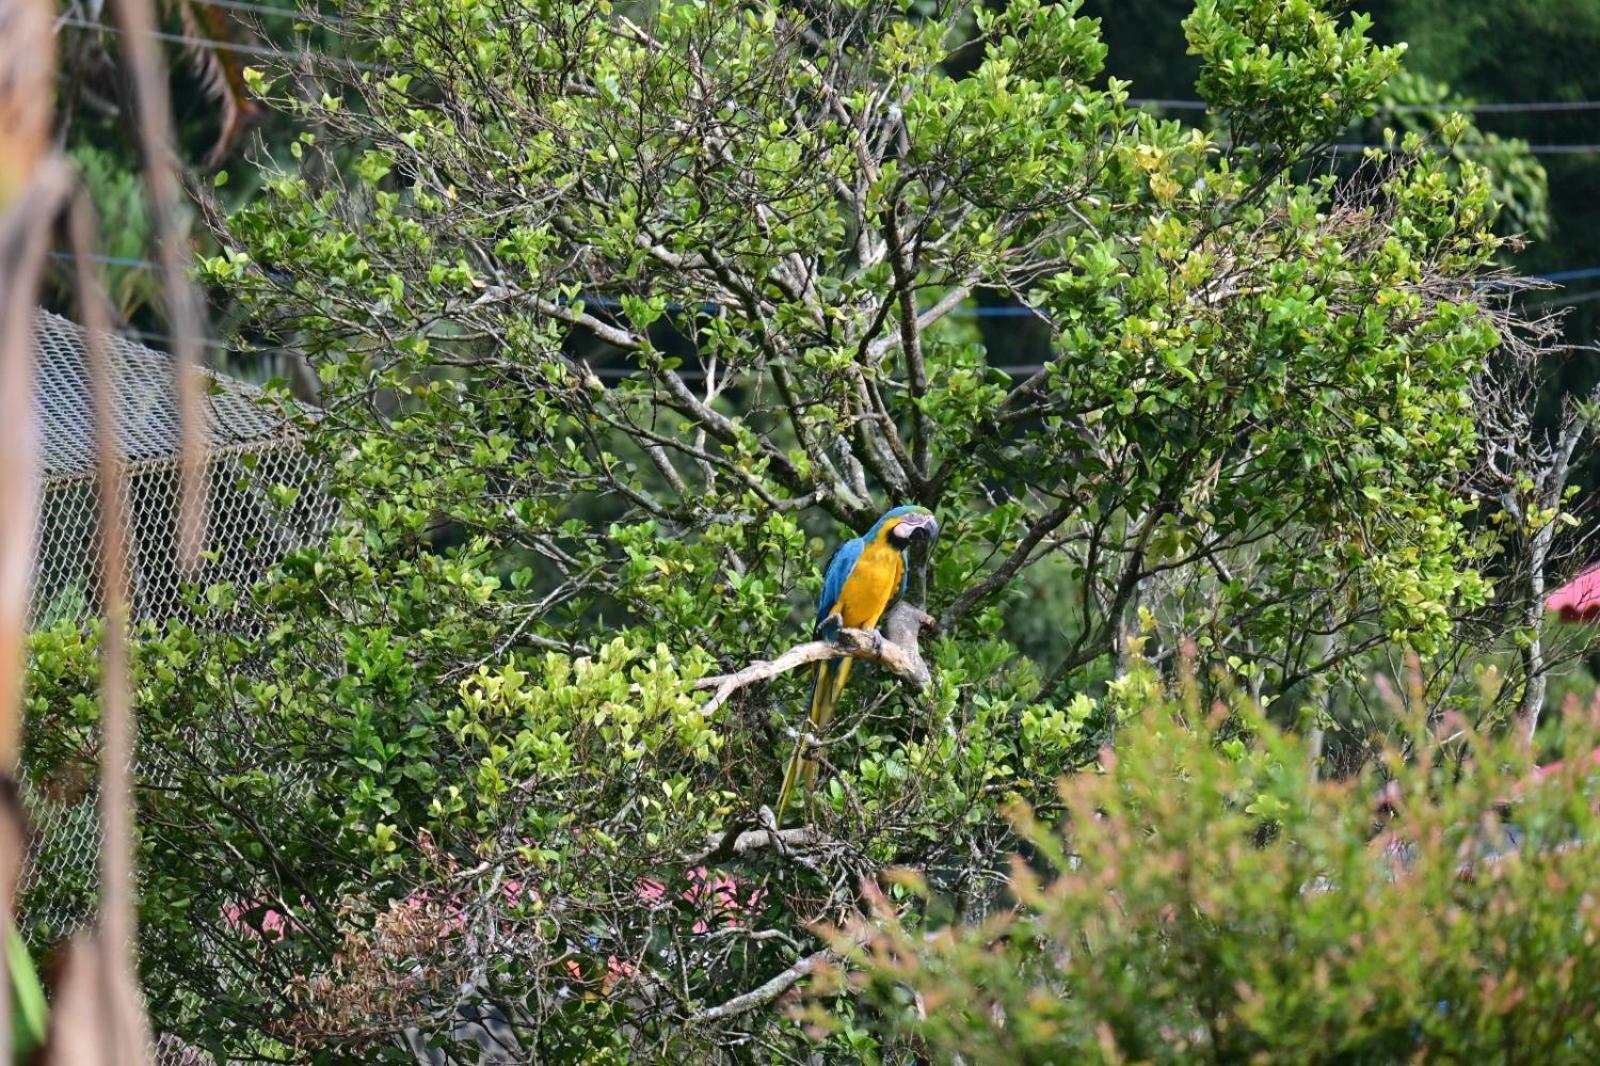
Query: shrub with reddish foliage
column 1206, row 897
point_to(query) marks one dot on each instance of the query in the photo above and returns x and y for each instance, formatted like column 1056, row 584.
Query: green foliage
column 1414, row 103
column 1204, row 309
column 621, row 323
column 1206, row 897
column 1528, row 50
column 1284, row 73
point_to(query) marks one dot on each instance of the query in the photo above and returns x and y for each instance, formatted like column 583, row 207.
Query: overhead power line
column 269, row 9
column 1501, row 108
column 601, row 371
column 1497, row 108
column 110, row 260
column 243, row 48
column 167, row 339
column 1146, row 102
column 1171, row 104
column 1566, row 301
column 1533, row 149
column 273, row 11
column 1570, row 275
column 237, row 47
column 993, row 311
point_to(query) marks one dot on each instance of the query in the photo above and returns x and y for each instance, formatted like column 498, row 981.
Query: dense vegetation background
column 1251, row 452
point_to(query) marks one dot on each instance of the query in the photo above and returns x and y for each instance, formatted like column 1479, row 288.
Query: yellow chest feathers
column 873, row 582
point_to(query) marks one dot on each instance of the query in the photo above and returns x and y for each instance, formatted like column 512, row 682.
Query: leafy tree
column 1540, row 53
column 1198, row 297
column 615, row 317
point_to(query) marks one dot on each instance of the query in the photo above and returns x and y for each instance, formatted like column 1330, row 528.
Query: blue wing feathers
column 839, row 567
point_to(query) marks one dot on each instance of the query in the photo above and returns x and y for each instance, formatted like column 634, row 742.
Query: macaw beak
column 913, row 526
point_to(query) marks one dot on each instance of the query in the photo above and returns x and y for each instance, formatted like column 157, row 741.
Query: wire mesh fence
column 264, row 498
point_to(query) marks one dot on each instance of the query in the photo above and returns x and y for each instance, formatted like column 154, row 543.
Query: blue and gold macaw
column 863, row 578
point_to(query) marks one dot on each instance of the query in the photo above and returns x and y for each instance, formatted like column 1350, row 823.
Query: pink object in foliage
column 653, row 892
column 1550, row 770
column 1579, row 599
column 720, row 893
column 1555, row 767
column 271, row 926
column 514, row 890
column 717, row 893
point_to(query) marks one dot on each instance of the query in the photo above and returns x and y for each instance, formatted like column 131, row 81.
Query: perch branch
column 895, row 648
column 737, row 843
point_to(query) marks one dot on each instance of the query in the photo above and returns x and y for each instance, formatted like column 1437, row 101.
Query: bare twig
column 125, row 1028
column 137, row 20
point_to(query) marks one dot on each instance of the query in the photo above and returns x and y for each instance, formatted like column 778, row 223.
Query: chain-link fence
column 264, row 498
column 263, row 494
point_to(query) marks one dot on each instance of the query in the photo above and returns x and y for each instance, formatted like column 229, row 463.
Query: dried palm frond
column 208, row 32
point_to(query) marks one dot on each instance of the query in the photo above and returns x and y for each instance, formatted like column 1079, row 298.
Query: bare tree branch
column 901, row 655
column 764, row 993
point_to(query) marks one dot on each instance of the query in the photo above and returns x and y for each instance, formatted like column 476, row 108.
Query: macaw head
column 903, row 525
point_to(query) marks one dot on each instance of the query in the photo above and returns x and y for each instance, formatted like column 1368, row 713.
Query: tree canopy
column 623, row 315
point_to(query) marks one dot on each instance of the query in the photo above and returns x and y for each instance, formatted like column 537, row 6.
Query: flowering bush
column 715, row 897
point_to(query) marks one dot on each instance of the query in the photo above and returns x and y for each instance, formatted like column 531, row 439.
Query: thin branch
column 137, row 20
column 1042, row 527
column 764, row 993
column 910, row 344
column 946, row 304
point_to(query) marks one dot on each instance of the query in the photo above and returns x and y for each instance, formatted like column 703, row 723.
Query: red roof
column 1579, row 599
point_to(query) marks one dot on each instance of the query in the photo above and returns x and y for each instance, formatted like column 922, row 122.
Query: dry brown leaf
column 27, row 97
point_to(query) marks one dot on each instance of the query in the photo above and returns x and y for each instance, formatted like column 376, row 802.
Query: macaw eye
column 901, row 532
